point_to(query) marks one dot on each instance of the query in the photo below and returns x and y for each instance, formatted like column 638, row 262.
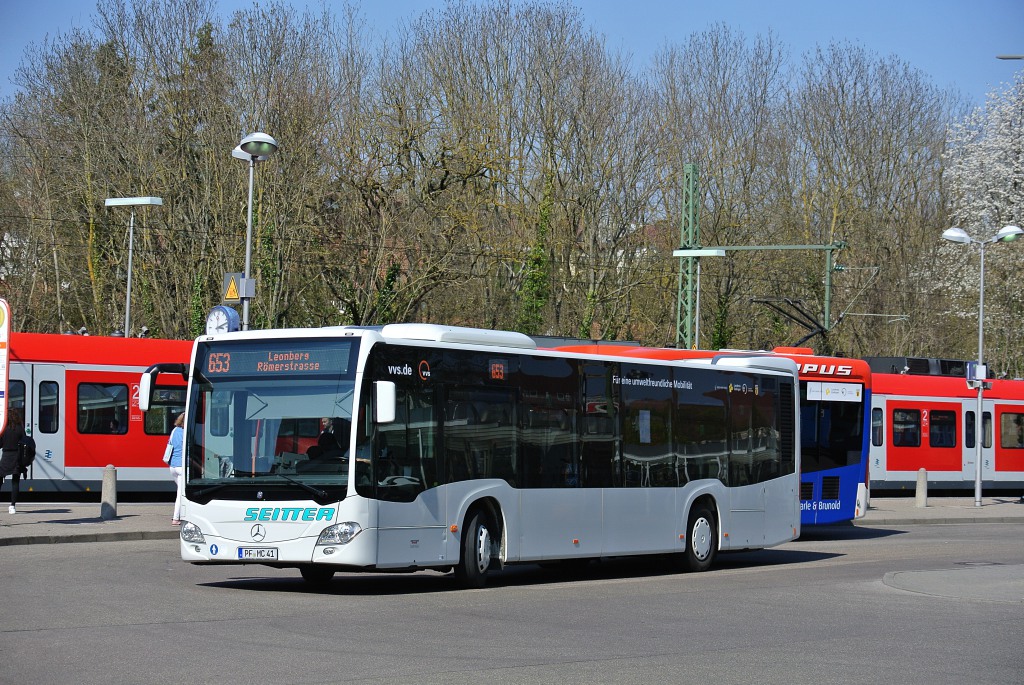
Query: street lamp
column 698, row 253
column 959, row 235
column 255, row 147
column 132, row 202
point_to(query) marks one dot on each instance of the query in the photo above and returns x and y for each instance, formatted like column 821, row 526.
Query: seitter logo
column 288, row 514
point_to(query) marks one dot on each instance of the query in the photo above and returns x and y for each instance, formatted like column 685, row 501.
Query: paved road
column 42, row 523
column 924, row 604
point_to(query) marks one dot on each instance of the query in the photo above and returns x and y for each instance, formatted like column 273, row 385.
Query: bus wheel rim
column 483, row 549
column 701, row 538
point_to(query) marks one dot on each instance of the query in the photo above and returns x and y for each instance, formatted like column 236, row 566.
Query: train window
column 165, row 405
column 942, row 429
column 876, row 427
column 986, row 430
column 906, row 427
column 103, row 408
column 48, row 409
column 16, row 397
column 1011, row 431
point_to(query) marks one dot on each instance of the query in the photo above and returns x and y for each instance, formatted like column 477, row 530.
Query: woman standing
column 10, row 441
column 177, row 445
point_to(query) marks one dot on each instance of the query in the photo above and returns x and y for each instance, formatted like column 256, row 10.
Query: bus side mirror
column 385, row 401
column 145, row 390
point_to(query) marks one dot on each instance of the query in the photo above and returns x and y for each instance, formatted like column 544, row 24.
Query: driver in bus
column 334, row 441
column 331, row 449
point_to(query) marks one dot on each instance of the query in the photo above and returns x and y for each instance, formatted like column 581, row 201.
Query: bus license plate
column 257, row 553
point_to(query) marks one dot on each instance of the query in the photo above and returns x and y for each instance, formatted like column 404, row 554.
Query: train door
column 970, row 445
column 44, row 386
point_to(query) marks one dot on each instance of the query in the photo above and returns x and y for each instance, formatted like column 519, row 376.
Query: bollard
column 922, row 488
column 108, row 498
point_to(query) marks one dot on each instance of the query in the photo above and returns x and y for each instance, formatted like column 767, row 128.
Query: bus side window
column 599, row 426
column 403, row 461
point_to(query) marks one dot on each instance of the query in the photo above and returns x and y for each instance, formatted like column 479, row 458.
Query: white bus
column 417, row 446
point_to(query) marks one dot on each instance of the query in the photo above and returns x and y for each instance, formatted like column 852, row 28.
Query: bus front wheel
column 701, row 538
column 476, row 552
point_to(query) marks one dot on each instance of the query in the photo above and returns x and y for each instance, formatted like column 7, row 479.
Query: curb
column 938, row 521
column 57, row 539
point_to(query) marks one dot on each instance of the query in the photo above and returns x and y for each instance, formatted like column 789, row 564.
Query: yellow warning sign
column 231, row 290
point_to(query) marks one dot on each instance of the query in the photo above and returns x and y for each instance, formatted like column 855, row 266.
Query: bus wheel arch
column 480, row 543
column 701, row 535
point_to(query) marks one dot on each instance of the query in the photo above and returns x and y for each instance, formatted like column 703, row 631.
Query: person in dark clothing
column 10, row 441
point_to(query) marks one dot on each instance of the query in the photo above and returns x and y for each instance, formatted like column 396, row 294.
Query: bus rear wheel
column 317, row 574
column 701, row 539
column 476, row 552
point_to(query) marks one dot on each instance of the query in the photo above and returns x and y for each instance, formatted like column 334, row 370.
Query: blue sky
column 955, row 42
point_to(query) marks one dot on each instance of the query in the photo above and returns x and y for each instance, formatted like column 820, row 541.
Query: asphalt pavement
column 61, row 522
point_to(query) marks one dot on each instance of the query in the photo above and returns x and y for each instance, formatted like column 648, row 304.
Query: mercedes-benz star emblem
column 258, row 532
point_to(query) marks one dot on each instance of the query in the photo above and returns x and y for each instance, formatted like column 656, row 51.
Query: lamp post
column 132, row 202
column 959, row 235
column 255, row 147
column 697, row 254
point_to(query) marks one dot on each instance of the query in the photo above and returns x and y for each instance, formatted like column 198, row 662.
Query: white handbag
column 167, row 453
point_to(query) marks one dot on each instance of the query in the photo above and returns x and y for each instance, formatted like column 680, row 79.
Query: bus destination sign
column 266, row 360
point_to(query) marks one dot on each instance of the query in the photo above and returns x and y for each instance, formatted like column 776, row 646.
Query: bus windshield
column 274, row 415
column 831, row 430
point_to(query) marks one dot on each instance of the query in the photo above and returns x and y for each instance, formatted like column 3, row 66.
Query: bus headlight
column 339, row 533
column 190, row 532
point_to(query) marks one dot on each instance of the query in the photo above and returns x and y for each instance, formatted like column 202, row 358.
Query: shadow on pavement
column 390, row 584
column 846, row 532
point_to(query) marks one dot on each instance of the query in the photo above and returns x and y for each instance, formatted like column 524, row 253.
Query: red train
column 80, row 399
column 930, row 422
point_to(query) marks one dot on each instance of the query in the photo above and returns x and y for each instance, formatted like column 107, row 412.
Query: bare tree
column 720, row 110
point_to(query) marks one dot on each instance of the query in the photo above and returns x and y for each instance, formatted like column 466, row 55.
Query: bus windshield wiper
column 318, row 494
column 205, row 495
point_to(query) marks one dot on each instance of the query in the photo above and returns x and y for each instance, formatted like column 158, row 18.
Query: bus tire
column 476, row 552
column 701, row 539
column 317, row 574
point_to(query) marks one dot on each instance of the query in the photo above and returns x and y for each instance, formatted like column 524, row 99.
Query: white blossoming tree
column 985, row 187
